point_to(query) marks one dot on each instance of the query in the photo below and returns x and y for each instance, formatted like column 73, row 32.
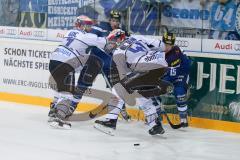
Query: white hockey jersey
column 150, row 41
column 136, row 55
column 74, row 47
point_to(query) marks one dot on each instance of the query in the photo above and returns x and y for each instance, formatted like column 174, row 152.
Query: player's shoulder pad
column 98, row 29
column 76, row 32
column 177, row 50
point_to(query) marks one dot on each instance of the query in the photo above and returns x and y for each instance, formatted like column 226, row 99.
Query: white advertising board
column 55, row 35
column 9, row 32
column 221, row 46
column 188, row 44
column 32, row 33
column 24, row 68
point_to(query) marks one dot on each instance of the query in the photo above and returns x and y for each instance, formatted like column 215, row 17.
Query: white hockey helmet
column 83, row 22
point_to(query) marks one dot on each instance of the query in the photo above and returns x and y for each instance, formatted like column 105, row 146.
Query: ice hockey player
column 72, row 53
column 178, row 74
column 103, row 30
column 134, row 58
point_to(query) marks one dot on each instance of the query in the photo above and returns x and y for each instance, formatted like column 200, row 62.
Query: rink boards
column 214, row 81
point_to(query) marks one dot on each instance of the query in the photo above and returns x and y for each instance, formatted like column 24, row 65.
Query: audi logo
column 182, row 43
column 38, row 34
column 237, row 47
column 11, row 32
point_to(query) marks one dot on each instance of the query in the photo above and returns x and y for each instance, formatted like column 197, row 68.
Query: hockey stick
column 174, row 126
column 93, row 115
column 97, row 94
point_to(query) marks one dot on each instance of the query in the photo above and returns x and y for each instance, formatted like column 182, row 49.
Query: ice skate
column 184, row 123
column 52, row 112
column 57, row 123
column 183, row 119
column 106, row 126
column 157, row 129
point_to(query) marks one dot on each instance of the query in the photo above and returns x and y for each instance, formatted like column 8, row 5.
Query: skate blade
column 56, row 125
column 106, row 130
column 51, row 119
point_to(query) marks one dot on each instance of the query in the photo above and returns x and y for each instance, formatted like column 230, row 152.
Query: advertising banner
column 23, row 32
column 62, row 14
column 188, row 44
column 55, row 34
column 33, row 20
column 211, row 15
column 221, row 46
column 25, row 70
column 24, row 67
column 32, row 33
column 9, row 32
column 223, row 17
column 33, row 13
column 214, row 89
column 188, row 14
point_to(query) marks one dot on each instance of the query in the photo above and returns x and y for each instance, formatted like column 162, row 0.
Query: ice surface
column 25, row 135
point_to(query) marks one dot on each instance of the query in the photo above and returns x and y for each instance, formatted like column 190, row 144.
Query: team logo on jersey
column 153, row 56
column 176, row 62
column 238, row 20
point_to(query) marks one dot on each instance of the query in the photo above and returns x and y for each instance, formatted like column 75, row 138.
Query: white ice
column 25, row 135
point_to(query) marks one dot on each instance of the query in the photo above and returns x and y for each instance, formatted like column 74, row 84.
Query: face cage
column 84, row 26
column 169, row 41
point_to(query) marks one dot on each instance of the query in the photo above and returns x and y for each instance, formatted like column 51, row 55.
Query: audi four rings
column 11, row 31
column 237, row 47
column 38, row 33
column 182, row 43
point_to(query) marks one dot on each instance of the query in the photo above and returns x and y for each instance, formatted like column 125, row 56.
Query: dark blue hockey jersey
column 178, row 63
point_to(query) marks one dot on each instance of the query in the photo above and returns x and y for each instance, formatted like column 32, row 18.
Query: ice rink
column 25, row 135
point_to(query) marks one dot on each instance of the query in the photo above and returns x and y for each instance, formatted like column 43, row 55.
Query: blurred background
column 211, row 19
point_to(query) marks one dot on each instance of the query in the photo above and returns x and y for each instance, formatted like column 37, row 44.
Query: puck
column 136, row 144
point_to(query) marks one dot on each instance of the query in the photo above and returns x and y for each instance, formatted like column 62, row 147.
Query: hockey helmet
column 169, row 38
column 83, row 21
column 115, row 14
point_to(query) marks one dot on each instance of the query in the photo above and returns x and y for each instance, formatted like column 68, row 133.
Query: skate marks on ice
column 25, row 131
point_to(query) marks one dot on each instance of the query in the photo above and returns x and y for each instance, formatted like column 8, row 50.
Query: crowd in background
column 213, row 19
